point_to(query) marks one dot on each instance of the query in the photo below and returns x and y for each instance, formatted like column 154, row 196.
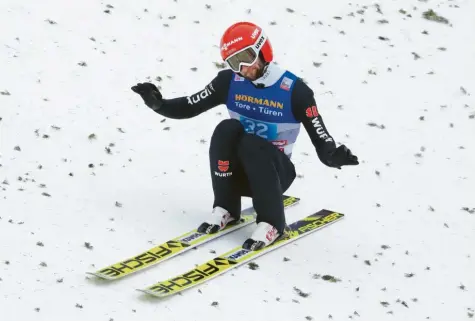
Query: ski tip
column 101, row 276
column 290, row 196
column 146, row 291
column 331, row 211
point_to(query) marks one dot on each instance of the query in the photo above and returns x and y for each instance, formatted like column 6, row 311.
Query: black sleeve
column 305, row 110
column 213, row 94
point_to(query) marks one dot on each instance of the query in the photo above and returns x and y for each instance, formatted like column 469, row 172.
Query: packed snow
column 89, row 175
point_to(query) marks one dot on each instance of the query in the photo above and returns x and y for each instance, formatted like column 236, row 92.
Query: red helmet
column 242, row 43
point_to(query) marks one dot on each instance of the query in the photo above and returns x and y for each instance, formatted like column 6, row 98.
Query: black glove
column 342, row 156
column 150, row 94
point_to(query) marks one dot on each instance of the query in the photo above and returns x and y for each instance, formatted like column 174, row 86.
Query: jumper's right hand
column 150, row 94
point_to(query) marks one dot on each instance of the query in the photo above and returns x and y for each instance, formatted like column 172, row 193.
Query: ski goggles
column 246, row 56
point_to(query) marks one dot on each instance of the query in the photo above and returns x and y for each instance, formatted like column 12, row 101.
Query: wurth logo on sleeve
column 320, row 130
column 312, row 112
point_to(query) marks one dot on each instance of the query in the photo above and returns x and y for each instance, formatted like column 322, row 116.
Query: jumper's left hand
column 342, row 156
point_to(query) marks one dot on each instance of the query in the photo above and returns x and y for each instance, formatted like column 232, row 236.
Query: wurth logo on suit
column 223, row 167
column 312, row 112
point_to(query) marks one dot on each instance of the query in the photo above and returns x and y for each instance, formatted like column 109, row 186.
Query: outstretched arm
column 306, row 111
column 214, row 94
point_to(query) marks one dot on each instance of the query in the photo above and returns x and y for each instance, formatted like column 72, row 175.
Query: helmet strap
column 264, row 68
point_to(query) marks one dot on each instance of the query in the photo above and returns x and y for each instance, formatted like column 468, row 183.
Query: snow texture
column 89, row 175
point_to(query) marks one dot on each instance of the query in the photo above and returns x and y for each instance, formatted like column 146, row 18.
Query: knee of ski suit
column 228, row 128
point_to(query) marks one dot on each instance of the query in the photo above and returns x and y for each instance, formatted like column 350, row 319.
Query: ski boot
column 220, row 218
column 264, row 235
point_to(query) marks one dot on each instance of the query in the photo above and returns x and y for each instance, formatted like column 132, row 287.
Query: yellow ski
column 239, row 256
column 176, row 246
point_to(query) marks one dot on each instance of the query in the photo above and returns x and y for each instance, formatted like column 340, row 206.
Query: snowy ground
column 84, row 161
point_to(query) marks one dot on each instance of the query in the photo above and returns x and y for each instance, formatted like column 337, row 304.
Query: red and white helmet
column 242, row 43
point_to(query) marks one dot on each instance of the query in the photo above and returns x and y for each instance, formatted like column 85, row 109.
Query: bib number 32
column 260, row 129
column 264, row 130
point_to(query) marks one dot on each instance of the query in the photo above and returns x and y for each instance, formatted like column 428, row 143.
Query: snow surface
column 404, row 103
